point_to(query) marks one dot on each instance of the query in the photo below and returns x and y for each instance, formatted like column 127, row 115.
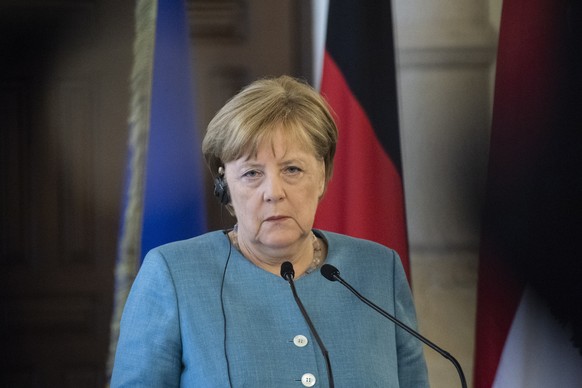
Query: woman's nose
column 274, row 189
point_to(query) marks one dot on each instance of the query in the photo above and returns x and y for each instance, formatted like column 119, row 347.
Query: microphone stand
column 288, row 274
column 332, row 273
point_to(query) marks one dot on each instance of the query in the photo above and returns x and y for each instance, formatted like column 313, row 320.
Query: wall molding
column 218, row 19
column 443, row 44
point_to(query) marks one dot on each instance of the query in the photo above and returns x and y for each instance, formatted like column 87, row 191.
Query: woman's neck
column 306, row 255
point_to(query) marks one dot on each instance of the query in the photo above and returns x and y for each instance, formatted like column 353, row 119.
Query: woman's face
column 275, row 193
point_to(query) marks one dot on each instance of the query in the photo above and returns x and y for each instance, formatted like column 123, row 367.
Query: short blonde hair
column 256, row 111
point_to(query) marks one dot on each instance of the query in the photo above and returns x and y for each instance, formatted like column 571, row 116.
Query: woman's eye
column 251, row 174
column 293, row 169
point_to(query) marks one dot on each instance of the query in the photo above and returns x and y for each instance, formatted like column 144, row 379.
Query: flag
column 365, row 197
column 164, row 194
column 529, row 310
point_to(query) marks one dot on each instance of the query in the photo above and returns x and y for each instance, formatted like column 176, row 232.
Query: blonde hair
column 253, row 114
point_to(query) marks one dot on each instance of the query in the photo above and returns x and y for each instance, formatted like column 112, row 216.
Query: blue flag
column 164, row 190
column 174, row 194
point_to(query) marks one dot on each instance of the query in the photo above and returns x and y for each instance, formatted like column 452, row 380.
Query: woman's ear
column 323, row 181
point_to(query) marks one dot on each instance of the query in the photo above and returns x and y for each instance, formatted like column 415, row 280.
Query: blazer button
column 300, row 340
column 308, row 380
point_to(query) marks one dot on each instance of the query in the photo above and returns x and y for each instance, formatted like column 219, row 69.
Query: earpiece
column 221, row 188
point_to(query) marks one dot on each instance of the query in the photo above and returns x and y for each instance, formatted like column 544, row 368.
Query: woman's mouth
column 276, row 218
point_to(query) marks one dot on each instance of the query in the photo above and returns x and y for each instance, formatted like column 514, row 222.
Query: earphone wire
column 222, row 304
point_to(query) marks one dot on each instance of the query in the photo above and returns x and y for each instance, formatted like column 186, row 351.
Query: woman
column 213, row 311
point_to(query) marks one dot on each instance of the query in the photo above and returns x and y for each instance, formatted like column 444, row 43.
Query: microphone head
column 287, row 271
column 329, row 272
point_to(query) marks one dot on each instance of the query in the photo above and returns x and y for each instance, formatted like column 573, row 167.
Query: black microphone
column 332, row 273
column 288, row 273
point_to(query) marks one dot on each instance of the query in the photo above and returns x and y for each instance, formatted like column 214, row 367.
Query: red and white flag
column 529, row 313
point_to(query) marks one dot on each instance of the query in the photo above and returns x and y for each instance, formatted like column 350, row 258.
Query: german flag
column 365, row 197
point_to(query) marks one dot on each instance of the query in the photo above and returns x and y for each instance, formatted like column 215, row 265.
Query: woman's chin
column 280, row 239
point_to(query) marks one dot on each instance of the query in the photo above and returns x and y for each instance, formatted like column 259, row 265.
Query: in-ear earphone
column 221, row 188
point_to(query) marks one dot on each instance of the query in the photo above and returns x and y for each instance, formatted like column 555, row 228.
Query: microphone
column 332, row 273
column 288, row 273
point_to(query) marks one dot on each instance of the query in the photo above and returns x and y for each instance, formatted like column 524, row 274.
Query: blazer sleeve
column 149, row 349
column 412, row 371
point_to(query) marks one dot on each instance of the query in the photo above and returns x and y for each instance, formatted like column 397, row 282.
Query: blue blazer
column 199, row 314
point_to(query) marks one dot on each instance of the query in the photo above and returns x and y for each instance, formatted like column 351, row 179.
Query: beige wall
column 446, row 55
